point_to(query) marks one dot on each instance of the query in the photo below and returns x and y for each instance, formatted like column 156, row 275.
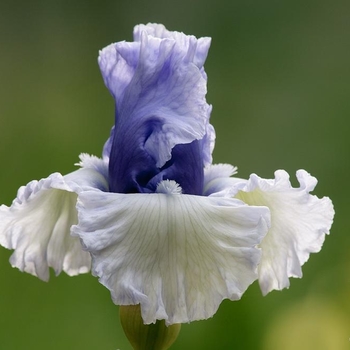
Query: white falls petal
column 177, row 255
column 37, row 224
column 299, row 222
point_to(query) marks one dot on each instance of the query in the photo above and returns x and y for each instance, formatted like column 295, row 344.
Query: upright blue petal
column 198, row 53
column 162, row 128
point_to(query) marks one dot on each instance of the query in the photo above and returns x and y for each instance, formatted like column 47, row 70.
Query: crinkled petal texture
column 299, row 222
column 159, row 85
column 37, row 225
column 199, row 52
column 177, row 255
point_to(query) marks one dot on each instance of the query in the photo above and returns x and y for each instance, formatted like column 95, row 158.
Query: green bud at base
column 155, row 336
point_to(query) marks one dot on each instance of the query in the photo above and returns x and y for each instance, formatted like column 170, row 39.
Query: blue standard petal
column 162, row 118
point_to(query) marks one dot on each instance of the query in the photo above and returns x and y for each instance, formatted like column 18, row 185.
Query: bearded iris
column 153, row 218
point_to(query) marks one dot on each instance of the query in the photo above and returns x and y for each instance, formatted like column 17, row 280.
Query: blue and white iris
column 153, row 218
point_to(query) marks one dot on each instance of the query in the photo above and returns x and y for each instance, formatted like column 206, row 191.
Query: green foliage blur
column 279, row 85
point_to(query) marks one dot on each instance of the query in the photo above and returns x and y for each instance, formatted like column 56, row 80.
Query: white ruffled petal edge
column 37, row 224
column 177, row 255
column 299, row 222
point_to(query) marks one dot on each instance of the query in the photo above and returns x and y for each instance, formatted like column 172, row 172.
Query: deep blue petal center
column 133, row 170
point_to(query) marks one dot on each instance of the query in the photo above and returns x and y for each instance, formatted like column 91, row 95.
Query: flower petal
column 217, row 180
column 93, row 174
column 200, row 51
column 159, row 85
column 299, row 222
column 208, row 144
column 118, row 64
column 177, row 255
column 37, row 225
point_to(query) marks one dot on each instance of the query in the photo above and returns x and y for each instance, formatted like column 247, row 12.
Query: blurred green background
column 279, row 85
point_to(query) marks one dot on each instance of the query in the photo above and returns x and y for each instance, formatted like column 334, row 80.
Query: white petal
column 217, row 180
column 37, row 225
column 92, row 162
column 177, row 255
column 299, row 222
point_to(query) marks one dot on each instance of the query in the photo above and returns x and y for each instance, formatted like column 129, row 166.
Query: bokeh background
column 279, row 85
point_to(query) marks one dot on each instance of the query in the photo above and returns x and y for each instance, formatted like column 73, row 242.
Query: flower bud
column 155, row 336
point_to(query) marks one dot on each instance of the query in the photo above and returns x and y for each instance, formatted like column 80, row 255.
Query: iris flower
column 153, row 218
